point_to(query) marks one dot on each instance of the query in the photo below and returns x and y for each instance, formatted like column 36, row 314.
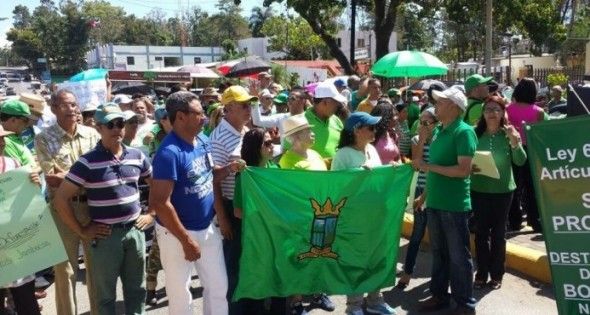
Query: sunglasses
column 492, row 110
column 426, row 123
column 119, row 123
column 267, row 143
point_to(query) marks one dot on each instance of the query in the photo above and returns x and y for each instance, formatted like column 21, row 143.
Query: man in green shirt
column 325, row 125
column 15, row 116
column 476, row 88
column 449, row 203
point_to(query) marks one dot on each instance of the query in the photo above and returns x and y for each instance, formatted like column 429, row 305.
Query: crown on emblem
column 328, row 208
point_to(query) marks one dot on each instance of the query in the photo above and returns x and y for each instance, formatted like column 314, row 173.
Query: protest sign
column 29, row 240
column 559, row 153
column 307, row 231
column 90, row 91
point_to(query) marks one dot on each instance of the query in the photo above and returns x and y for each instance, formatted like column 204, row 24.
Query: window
column 197, row 60
column 172, row 62
column 360, row 43
column 130, row 61
column 159, row 58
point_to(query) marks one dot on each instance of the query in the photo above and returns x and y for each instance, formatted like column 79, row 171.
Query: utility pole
column 489, row 25
column 352, row 30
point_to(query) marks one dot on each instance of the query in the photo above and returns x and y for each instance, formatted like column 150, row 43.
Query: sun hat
column 236, row 93
column 474, row 80
column 294, row 124
column 107, row 112
column 358, row 119
column 328, row 90
column 36, row 102
column 454, row 95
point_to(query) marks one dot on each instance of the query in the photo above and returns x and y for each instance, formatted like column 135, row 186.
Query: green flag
column 308, row 232
column 559, row 155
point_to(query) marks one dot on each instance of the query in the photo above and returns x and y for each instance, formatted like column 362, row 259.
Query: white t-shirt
column 349, row 157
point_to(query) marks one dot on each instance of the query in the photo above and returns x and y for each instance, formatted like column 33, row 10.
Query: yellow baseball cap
column 236, row 93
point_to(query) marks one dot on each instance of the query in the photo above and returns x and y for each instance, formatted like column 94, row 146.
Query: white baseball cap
column 122, row 99
column 454, row 95
column 327, row 89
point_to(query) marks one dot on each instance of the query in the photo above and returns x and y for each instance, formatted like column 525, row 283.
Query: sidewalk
column 525, row 251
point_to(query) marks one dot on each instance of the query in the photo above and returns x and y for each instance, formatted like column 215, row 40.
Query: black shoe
column 298, row 309
column 151, row 298
column 322, row 301
column 433, row 304
column 463, row 310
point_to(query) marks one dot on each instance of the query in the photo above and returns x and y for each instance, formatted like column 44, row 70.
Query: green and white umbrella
column 408, row 64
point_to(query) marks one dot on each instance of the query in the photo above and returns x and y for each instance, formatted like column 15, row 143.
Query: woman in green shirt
column 491, row 198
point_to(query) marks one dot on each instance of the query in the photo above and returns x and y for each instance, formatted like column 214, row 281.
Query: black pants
column 232, row 249
column 490, row 212
column 526, row 194
column 24, row 299
column 517, row 206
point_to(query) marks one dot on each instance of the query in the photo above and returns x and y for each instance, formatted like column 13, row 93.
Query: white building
column 365, row 47
column 125, row 57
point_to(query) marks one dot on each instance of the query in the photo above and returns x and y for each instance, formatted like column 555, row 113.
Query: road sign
column 362, row 53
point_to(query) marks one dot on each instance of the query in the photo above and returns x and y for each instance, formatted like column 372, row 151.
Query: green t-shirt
column 413, row 113
column 327, row 133
column 503, row 156
column 355, row 100
column 238, row 199
column 16, row 149
column 450, row 193
column 313, row 162
column 473, row 111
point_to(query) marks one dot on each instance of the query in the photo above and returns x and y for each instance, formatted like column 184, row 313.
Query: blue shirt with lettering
column 191, row 168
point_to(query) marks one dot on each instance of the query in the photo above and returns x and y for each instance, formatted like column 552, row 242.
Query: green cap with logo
column 107, row 112
column 15, row 107
column 474, row 80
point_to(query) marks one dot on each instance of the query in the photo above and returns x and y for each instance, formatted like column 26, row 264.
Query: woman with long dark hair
column 354, row 151
column 385, row 138
column 523, row 111
column 490, row 197
column 256, row 151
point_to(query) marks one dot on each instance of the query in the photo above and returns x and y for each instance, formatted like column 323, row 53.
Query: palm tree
column 257, row 18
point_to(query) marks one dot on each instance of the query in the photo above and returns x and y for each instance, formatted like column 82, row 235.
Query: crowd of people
column 95, row 161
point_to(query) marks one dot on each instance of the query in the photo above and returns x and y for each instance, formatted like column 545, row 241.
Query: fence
column 575, row 75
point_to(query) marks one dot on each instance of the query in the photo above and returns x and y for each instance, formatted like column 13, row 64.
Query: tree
column 257, row 19
column 295, row 38
column 107, row 22
column 413, row 29
column 21, row 17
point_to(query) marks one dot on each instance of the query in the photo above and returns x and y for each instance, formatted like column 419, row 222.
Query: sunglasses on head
column 119, row 123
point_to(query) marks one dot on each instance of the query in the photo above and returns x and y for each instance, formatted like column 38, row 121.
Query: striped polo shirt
column 111, row 183
column 226, row 146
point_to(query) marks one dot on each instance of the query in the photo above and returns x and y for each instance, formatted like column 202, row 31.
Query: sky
column 137, row 7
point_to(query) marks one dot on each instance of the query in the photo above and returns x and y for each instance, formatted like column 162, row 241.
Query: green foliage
column 257, row 19
column 557, row 79
column 295, row 38
column 413, row 30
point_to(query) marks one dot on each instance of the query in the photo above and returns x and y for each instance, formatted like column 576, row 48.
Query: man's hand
column 95, row 231
column 236, row 166
column 143, row 221
column 35, row 178
column 225, row 228
column 417, row 204
column 191, row 249
column 424, row 133
column 475, row 169
column 55, row 179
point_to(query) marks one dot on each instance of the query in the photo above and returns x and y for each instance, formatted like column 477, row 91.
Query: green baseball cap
column 474, row 80
column 107, row 112
column 393, row 92
column 281, row 99
column 15, row 107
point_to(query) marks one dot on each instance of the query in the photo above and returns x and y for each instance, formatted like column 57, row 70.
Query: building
column 131, row 58
column 365, row 47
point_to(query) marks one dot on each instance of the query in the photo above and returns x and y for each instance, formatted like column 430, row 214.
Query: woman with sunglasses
column 491, row 198
column 354, row 151
column 385, row 138
column 257, row 151
column 427, row 123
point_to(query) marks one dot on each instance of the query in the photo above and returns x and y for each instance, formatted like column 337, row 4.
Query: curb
column 531, row 262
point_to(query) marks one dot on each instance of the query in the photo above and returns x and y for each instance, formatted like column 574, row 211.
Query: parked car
column 10, row 91
column 3, row 81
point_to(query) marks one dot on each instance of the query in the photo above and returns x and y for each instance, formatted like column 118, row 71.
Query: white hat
column 129, row 114
column 454, row 95
column 327, row 89
column 90, row 106
column 122, row 99
column 294, row 124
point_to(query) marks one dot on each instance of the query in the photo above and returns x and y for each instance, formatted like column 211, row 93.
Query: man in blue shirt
column 182, row 195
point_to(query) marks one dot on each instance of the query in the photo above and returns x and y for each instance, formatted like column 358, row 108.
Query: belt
column 80, row 198
column 123, row 225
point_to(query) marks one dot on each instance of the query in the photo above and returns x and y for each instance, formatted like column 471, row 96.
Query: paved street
column 517, row 296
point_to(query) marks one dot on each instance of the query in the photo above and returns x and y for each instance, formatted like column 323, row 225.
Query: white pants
column 210, row 268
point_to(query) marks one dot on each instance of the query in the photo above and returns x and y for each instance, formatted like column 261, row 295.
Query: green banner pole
column 559, row 156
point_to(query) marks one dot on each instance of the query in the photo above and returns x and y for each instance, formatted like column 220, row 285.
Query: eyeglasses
column 267, row 143
column 426, row 123
column 492, row 110
column 119, row 123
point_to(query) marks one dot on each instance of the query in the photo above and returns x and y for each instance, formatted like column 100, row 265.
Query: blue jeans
column 418, row 231
column 451, row 258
